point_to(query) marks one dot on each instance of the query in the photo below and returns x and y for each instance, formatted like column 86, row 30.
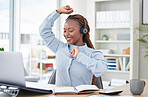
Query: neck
column 79, row 42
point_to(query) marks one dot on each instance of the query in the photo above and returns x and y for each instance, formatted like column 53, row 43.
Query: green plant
column 144, row 38
column 104, row 37
column 1, row 49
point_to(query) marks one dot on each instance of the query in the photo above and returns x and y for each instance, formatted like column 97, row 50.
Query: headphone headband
column 84, row 22
column 83, row 30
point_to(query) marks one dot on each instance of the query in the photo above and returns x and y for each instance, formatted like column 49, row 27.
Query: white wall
column 79, row 7
column 86, row 8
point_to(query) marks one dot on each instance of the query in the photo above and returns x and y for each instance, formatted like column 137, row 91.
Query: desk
column 125, row 89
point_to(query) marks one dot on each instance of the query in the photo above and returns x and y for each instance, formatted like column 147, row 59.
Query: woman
column 76, row 60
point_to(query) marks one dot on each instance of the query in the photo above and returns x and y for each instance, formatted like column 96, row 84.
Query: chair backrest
column 52, row 77
column 96, row 80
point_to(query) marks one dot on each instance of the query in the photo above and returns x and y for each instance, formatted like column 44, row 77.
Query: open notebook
column 12, row 74
column 76, row 90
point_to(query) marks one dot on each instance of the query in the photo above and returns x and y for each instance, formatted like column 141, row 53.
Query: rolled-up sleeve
column 95, row 63
column 46, row 32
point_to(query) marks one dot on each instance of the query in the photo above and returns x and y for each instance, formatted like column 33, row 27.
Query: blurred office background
column 19, row 31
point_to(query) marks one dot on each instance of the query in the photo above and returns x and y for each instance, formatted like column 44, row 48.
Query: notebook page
column 64, row 90
column 86, row 87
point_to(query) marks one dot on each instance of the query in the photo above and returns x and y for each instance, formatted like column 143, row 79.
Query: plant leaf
column 142, row 40
column 143, row 27
column 145, row 56
column 146, row 46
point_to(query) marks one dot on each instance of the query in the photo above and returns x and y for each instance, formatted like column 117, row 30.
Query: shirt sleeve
column 47, row 35
column 95, row 63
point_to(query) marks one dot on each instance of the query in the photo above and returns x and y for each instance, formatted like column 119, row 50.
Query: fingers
column 74, row 52
column 67, row 7
column 68, row 10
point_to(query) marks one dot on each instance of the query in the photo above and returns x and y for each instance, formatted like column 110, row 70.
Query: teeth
column 68, row 38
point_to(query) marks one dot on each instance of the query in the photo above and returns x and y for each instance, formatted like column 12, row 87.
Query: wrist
column 59, row 11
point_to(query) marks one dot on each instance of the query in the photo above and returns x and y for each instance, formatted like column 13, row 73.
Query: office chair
column 96, row 80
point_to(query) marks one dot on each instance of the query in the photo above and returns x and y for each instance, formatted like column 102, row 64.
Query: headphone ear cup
column 81, row 30
column 84, row 31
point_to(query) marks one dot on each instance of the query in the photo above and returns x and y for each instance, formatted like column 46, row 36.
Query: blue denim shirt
column 72, row 71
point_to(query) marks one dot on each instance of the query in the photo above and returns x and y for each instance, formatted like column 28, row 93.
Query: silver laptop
column 12, row 73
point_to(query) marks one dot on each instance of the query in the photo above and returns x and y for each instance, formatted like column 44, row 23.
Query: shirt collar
column 79, row 47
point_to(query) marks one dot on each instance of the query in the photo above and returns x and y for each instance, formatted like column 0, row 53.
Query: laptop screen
column 12, row 68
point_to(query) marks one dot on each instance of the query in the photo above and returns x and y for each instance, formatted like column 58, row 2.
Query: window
column 35, row 53
column 145, row 11
column 4, row 24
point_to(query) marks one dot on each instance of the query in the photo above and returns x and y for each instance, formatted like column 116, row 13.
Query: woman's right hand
column 65, row 9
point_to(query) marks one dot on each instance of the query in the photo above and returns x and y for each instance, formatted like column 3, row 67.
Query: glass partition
column 38, row 59
column 4, row 25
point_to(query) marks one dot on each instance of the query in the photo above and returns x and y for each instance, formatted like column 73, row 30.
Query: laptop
column 12, row 74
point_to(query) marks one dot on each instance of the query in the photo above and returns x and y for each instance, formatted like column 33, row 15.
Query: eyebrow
column 69, row 28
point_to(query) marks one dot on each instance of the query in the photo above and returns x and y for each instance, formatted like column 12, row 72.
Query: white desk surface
column 125, row 89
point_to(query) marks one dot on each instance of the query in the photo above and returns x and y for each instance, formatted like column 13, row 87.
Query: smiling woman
column 76, row 60
column 72, row 32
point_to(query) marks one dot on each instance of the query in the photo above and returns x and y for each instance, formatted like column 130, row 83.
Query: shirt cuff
column 82, row 58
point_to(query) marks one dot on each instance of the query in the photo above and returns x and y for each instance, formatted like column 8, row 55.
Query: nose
column 66, row 33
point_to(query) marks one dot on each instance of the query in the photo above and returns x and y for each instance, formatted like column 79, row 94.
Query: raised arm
column 46, row 28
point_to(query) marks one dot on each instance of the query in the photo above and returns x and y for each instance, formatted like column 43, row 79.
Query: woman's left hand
column 74, row 52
